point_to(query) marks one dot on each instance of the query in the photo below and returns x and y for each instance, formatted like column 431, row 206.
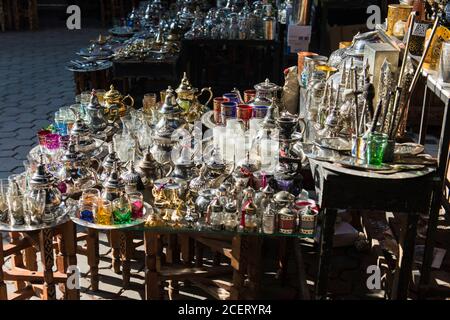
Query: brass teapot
column 187, row 99
column 115, row 104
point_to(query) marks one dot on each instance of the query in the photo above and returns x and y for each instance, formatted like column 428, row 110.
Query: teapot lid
column 131, row 176
column 94, row 104
column 267, row 86
column 71, row 155
column 214, row 162
column 273, row 113
column 170, row 183
column 268, row 190
column 216, row 206
column 147, row 162
column 112, row 94
column 111, row 158
column 170, row 106
column 40, row 178
column 114, row 181
column 80, row 127
column 185, row 85
column 284, row 196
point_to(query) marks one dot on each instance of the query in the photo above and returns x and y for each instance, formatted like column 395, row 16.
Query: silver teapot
column 96, row 114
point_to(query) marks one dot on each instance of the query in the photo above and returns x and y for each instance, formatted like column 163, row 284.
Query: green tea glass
column 376, row 147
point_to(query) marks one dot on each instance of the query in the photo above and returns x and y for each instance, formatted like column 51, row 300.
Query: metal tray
column 62, row 218
column 74, row 215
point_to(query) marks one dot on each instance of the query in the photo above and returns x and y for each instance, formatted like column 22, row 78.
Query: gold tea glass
column 100, row 96
column 103, row 214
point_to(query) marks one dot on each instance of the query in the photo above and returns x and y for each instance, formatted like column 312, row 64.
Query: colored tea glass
column 217, row 107
column 376, row 146
column 121, row 211
column 249, row 95
column 232, row 97
column 137, row 204
column 244, row 113
column 260, row 112
column 88, row 203
column 52, row 141
column 228, row 111
column 103, row 214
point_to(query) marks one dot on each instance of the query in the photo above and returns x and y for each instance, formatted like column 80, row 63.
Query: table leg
column 17, row 260
column 326, row 247
column 30, row 259
column 93, row 256
column 69, row 235
column 3, row 292
column 114, row 239
column 436, row 202
column 126, row 251
column 282, row 260
column 46, row 246
column 303, row 285
column 239, row 247
column 408, row 256
column 255, row 266
column 152, row 266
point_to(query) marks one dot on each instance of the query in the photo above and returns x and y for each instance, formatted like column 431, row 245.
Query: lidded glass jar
column 215, row 214
column 230, row 217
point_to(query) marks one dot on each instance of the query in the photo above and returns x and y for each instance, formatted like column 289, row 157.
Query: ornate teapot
column 149, row 169
column 96, row 114
column 108, row 163
column 265, row 91
column 289, row 124
column 43, row 180
column 187, row 99
column 113, row 187
column 83, row 135
column 115, row 104
column 74, row 174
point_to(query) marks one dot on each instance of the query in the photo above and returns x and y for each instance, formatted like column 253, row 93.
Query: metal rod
column 405, row 56
column 393, row 126
column 422, row 60
column 376, row 117
column 385, row 111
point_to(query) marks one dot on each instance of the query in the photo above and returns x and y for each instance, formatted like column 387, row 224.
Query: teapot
column 113, row 187
column 96, row 114
column 187, row 96
column 115, row 103
column 83, row 135
column 108, row 163
column 43, row 180
column 74, row 174
column 288, row 124
column 149, row 169
column 265, row 91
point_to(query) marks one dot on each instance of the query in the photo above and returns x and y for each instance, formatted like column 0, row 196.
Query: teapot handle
column 129, row 98
column 302, row 125
column 163, row 169
column 211, row 94
column 98, row 164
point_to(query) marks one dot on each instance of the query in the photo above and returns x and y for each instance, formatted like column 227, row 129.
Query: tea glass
column 149, row 102
column 376, row 146
column 249, row 95
column 3, row 200
column 232, row 97
column 100, row 96
column 103, row 214
column 52, row 142
column 259, row 112
column 244, row 113
column 34, row 207
column 228, row 111
column 217, row 107
column 136, row 200
column 42, row 134
column 15, row 208
column 88, row 204
column 121, row 211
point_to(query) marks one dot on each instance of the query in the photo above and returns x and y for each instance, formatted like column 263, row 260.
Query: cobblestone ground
column 33, row 85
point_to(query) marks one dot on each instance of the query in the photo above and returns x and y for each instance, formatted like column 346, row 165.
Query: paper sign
column 298, row 38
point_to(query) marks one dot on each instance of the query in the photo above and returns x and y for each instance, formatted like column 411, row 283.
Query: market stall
column 223, row 178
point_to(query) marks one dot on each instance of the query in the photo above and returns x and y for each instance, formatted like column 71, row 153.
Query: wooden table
column 244, row 251
column 24, row 272
column 340, row 188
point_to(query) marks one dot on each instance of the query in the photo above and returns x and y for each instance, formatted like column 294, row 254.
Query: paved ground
column 33, row 85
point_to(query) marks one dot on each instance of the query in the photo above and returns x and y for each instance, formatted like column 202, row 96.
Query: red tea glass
column 41, row 137
column 52, row 142
column 244, row 113
column 218, row 109
column 249, row 95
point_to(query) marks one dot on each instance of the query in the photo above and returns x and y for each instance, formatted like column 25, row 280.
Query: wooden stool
column 123, row 251
column 25, row 9
column 29, row 281
column 91, row 80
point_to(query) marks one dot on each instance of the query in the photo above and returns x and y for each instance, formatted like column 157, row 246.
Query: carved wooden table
column 28, row 280
column 342, row 188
